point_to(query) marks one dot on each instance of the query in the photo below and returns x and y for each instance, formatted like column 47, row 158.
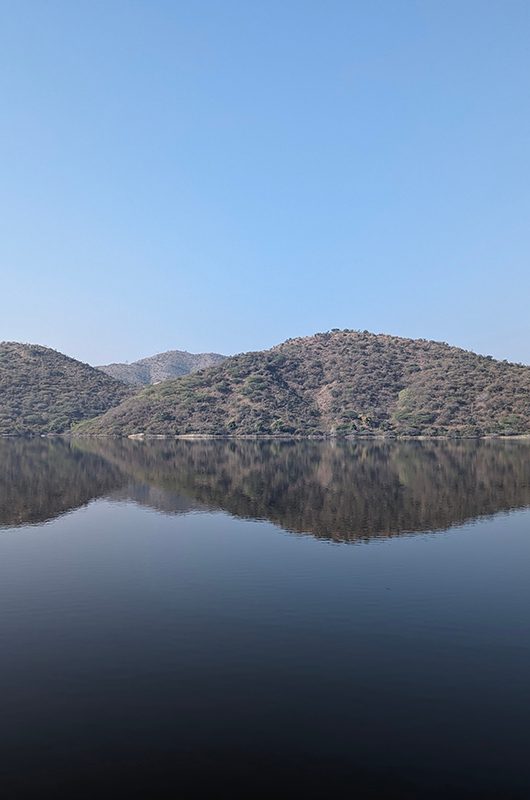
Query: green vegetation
column 43, row 391
column 340, row 383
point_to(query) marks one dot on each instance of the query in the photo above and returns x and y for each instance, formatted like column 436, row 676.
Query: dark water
column 185, row 619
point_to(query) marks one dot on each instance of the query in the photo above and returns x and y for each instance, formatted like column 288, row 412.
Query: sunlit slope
column 338, row 383
column 161, row 367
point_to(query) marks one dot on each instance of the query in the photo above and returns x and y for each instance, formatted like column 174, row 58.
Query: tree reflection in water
column 339, row 490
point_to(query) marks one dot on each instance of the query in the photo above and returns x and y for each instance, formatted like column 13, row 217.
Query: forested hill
column 337, row 383
column 43, row 391
column 161, row 367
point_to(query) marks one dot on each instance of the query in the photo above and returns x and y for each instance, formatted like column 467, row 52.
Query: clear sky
column 224, row 175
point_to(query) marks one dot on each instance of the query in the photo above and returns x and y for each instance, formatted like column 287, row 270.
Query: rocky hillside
column 43, row 391
column 162, row 367
column 338, row 383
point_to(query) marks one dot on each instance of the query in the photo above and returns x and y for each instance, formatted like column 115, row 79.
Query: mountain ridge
column 337, row 383
column 161, row 366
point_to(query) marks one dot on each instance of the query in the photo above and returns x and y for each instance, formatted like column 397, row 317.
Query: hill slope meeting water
column 161, row 367
column 43, row 391
column 338, row 383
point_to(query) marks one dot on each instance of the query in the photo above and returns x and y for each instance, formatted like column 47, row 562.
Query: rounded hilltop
column 43, row 391
column 336, row 383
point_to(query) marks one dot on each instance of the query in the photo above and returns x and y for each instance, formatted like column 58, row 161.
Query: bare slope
column 338, row 383
column 161, row 367
column 43, row 391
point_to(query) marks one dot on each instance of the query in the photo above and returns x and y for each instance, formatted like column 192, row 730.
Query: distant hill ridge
column 336, row 383
column 161, row 367
column 43, row 391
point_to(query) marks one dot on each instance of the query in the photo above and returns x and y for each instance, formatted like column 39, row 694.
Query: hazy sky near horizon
column 224, row 175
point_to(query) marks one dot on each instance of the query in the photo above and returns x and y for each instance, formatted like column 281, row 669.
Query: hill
column 43, row 391
column 338, row 383
column 161, row 367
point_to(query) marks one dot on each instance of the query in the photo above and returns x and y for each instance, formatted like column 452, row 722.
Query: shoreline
column 271, row 437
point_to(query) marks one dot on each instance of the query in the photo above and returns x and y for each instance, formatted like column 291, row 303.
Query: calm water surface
column 264, row 619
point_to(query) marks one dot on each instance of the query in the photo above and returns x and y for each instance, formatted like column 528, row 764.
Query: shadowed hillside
column 338, row 383
column 43, row 391
column 161, row 367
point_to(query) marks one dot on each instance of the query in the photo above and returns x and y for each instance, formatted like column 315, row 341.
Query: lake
column 313, row 619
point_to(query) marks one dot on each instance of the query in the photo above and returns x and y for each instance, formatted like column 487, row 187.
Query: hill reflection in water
column 343, row 491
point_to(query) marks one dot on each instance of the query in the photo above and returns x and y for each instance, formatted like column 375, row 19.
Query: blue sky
column 224, row 175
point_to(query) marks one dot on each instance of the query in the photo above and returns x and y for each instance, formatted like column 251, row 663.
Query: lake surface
column 309, row 619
